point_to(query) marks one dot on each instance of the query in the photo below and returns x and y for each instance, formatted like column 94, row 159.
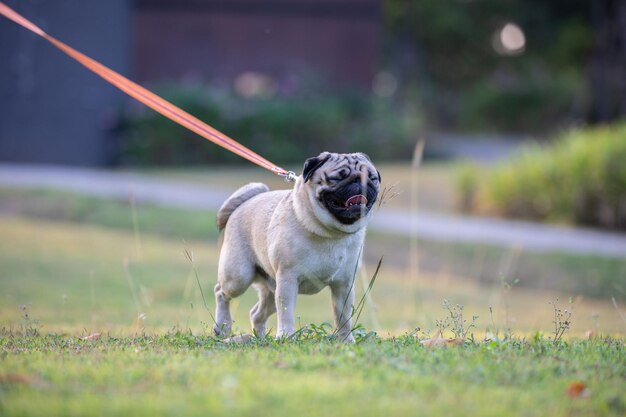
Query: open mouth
column 350, row 203
column 356, row 200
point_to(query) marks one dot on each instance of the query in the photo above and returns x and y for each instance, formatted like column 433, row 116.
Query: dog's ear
column 312, row 164
column 366, row 156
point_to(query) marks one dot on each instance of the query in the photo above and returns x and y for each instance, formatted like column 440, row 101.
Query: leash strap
column 151, row 100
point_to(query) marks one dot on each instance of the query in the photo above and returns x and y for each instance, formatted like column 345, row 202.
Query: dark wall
column 338, row 40
column 52, row 109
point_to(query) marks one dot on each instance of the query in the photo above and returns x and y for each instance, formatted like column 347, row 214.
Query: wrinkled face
column 345, row 184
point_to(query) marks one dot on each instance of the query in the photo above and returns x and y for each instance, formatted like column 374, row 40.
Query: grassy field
column 74, row 266
column 87, row 278
column 180, row 374
column 73, row 259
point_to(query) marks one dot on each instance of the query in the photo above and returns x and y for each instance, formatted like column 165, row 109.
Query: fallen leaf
column 23, row 379
column 577, row 389
column 442, row 342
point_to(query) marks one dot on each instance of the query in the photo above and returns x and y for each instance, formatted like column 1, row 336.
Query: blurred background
column 292, row 78
column 474, row 110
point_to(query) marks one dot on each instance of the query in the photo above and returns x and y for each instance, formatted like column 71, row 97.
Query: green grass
column 182, row 374
column 586, row 275
column 109, row 213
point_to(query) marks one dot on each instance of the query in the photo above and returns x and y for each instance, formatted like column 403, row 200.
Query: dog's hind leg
column 226, row 290
column 234, row 276
column 263, row 309
column 223, row 320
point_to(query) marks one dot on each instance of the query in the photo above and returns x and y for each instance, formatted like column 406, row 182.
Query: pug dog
column 290, row 242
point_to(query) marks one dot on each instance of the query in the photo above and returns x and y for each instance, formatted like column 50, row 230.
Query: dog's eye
column 341, row 175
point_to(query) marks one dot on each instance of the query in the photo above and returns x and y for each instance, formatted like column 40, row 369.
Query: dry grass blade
column 189, row 255
column 388, row 194
column 361, row 304
column 619, row 312
column 341, row 322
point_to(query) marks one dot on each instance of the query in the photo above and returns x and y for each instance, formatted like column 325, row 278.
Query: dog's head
column 344, row 185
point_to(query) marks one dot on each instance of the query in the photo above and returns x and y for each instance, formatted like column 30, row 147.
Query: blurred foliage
column 518, row 101
column 581, row 178
column 283, row 128
column 443, row 48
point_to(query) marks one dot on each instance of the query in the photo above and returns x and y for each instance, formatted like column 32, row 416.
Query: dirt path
column 425, row 225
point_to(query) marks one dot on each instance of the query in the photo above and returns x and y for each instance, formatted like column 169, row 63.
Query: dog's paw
column 347, row 338
column 221, row 330
column 284, row 334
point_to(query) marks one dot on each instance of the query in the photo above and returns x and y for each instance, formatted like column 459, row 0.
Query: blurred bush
column 581, row 178
column 282, row 128
column 519, row 102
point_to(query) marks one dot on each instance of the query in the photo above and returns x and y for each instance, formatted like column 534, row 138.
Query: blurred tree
column 570, row 66
column 450, row 37
column 607, row 73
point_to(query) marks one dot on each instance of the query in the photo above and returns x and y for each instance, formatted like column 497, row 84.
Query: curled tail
column 236, row 199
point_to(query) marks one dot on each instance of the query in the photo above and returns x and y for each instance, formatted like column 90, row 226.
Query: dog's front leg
column 343, row 303
column 286, row 293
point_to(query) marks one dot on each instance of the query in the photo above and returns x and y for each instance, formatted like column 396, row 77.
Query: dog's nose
column 359, row 179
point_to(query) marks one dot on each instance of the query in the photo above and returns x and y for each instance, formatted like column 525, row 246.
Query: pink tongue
column 356, row 199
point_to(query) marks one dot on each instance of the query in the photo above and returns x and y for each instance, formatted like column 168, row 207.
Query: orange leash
column 150, row 99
